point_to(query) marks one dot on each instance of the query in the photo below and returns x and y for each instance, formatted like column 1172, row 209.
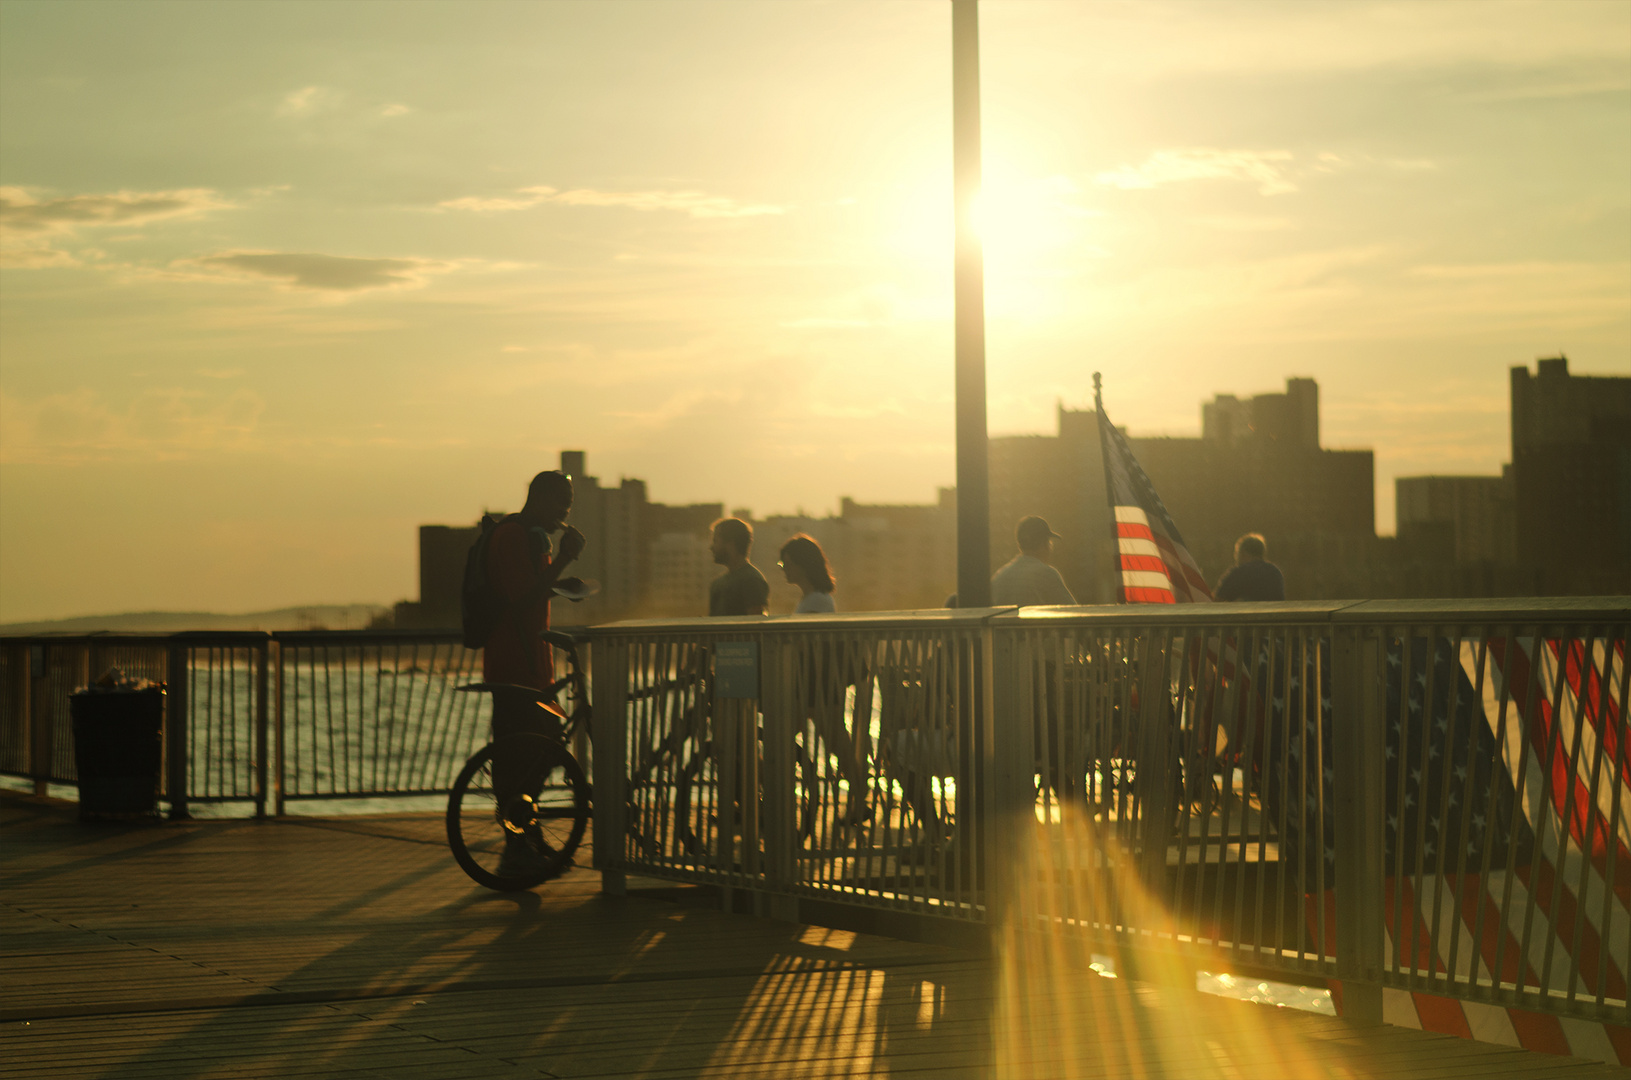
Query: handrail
column 1442, row 757
column 1466, row 761
column 266, row 718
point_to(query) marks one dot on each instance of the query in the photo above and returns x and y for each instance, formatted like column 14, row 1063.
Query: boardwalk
column 354, row 948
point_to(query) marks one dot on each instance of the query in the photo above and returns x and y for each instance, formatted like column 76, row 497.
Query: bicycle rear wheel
column 520, row 828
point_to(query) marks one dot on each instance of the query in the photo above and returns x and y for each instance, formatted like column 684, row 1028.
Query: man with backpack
column 509, row 577
column 520, row 577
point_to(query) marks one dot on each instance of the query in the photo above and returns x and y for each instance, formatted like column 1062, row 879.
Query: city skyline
column 284, row 282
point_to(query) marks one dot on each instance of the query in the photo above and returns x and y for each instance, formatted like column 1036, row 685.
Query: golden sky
column 283, row 281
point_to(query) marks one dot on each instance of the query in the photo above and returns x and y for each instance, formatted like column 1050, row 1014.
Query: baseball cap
column 1033, row 530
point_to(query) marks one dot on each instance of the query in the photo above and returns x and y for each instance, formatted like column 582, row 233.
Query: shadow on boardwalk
column 355, row 948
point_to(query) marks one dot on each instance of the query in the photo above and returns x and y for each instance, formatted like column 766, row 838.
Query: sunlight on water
column 1267, row 992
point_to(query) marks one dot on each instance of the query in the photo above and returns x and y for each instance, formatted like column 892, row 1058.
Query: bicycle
column 519, row 808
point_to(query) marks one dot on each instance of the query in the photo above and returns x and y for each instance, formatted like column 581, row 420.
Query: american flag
column 1155, row 566
column 1506, row 842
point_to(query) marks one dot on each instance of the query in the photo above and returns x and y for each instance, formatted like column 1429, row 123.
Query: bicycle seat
column 564, row 642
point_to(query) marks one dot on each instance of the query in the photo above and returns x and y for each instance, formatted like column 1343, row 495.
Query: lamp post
column 973, row 461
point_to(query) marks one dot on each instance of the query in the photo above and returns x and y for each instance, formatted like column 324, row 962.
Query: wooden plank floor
column 355, row 948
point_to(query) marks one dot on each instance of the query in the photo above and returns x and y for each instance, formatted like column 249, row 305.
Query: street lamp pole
column 973, row 461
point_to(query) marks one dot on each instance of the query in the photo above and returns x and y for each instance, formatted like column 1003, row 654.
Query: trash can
column 118, row 742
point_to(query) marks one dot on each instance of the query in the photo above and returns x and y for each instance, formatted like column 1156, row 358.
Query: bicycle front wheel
column 517, row 812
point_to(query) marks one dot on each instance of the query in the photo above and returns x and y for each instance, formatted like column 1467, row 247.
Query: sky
column 284, row 281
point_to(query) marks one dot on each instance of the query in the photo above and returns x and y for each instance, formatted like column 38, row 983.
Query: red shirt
column 514, row 564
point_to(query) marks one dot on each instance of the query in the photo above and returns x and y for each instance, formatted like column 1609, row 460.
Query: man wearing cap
column 1029, row 577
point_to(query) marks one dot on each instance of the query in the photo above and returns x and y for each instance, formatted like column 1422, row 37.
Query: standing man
column 1251, row 578
column 523, row 577
column 741, row 589
column 1029, row 577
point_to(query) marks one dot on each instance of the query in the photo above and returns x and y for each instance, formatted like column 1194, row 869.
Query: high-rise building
column 1456, row 519
column 654, row 560
column 1257, row 467
column 1571, row 473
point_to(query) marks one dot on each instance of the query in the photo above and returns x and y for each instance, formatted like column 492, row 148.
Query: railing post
column 41, row 740
column 1357, row 728
column 175, row 730
column 611, row 680
column 1153, row 779
column 778, row 780
column 1009, row 801
column 262, row 771
column 277, row 736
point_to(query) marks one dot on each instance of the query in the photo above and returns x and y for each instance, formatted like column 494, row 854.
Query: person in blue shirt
column 1251, row 578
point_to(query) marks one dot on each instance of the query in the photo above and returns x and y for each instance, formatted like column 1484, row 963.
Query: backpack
column 480, row 606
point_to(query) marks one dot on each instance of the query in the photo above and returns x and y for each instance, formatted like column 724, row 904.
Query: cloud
column 24, row 213
column 305, row 101
column 30, row 224
column 166, row 423
column 395, row 110
column 32, row 254
column 333, row 273
column 1263, row 168
column 694, row 203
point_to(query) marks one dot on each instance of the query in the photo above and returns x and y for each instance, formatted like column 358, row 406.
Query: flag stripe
column 1148, row 543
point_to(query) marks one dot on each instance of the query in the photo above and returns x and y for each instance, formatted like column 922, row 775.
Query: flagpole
column 973, row 462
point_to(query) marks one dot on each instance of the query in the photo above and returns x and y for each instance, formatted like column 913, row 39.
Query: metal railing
column 1427, row 796
column 260, row 718
column 765, row 785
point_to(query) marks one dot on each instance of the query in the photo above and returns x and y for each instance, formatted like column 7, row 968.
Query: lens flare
column 1070, row 891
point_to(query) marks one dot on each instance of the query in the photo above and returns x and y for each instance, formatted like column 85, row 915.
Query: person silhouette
column 805, row 566
column 523, row 575
column 741, row 589
column 1252, row 577
column 1029, row 577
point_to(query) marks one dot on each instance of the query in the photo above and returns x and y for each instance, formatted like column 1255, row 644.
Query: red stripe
column 1597, row 703
column 1538, row 1031
column 1138, row 594
column 1134, row 531
column 1442, row 1014
column 1582, row 818
column 1414, row 942
column 1144, row 562
column 1621, row 1038
column 1188, row 582
column 1476, row 894
column 1540, row 880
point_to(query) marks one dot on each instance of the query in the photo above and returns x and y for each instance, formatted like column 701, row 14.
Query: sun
column 1023, row 220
